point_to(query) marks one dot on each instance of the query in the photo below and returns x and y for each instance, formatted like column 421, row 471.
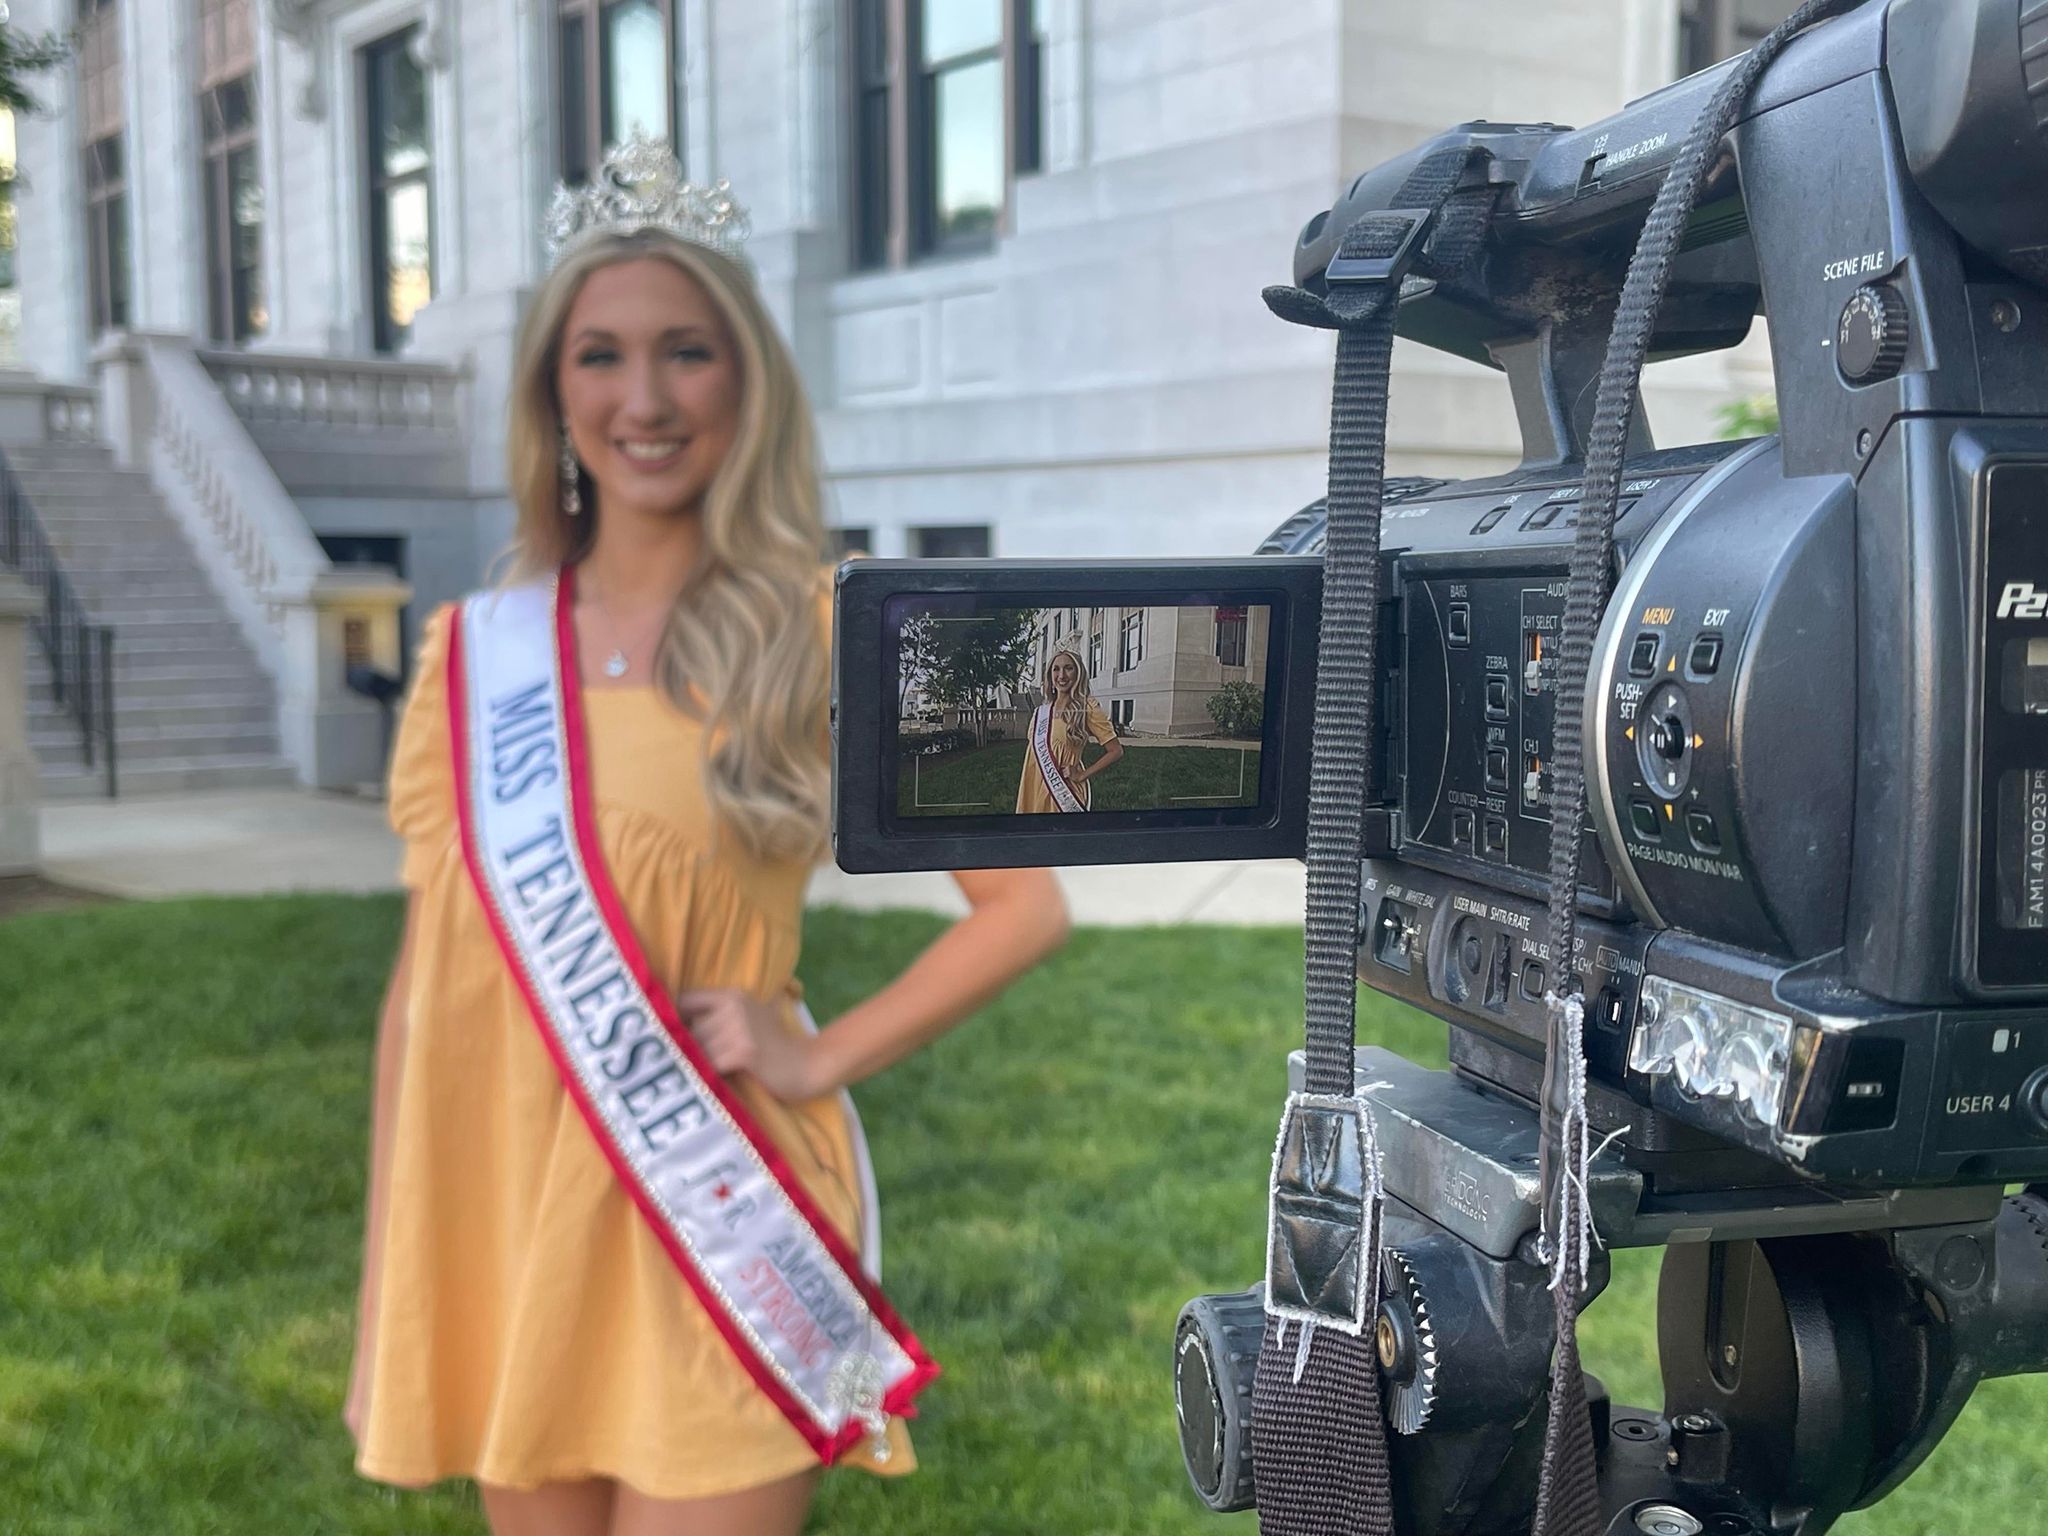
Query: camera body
column 1817, row 865
column 1813, row 935
column 1773, row 728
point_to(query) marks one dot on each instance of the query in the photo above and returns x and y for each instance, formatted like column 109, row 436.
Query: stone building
column 271, row 254
column 1154, row 669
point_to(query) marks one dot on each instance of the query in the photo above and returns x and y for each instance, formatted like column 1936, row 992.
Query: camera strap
column 1568, row 1493
column 1319, row 1451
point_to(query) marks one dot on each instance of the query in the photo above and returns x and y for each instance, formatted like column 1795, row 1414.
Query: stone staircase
column 193, row 708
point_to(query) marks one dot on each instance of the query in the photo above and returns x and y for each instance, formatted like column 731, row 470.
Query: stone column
column 127, row 398
column 20, row 787
column 333, row 735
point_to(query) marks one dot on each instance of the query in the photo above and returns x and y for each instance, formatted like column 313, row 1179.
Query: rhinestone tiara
column 640, row 186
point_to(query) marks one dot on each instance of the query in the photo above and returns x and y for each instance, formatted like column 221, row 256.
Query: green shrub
column 1239, row 709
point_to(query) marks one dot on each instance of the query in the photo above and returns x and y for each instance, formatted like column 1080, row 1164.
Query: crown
column 640, row 186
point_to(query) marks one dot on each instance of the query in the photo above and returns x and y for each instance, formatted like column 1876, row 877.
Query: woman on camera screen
column 621, row 1264
column 1055, row 777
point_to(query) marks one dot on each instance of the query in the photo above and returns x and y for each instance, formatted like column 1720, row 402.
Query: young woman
column 618, row 1265
column 1055, row 777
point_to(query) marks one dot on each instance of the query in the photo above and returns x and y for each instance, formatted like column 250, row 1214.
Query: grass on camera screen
column 1080, row 707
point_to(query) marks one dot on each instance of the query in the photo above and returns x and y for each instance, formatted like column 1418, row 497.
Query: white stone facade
column 1104, row 381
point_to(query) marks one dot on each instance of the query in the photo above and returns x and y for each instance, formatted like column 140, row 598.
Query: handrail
column 248, row 531
column 81, row 653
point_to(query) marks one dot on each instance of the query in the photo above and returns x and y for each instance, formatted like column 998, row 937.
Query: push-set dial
column 1870, row 339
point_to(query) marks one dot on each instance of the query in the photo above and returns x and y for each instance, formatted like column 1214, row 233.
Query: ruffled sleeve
column 1098, row 725
column 422, row 788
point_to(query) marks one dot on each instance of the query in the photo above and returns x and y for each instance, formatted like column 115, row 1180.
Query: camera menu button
column 1642, row 660
column 1699, row 826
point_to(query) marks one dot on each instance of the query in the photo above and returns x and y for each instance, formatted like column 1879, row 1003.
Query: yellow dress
column 528, row 1326
column 1033, row 798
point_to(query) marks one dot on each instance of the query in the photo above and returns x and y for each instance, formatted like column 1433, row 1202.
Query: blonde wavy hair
column 743, row 645
column 1074, row 713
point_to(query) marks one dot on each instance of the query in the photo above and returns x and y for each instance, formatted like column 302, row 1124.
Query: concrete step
column 171, row 682
column 138, row 633
column 170, row 777
column 160, row 743
column 179, row 657
column 47, row 716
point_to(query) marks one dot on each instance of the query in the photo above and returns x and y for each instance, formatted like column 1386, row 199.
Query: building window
column 945, row 102
column 1132, row 649
column 616, row 77
column 106, row 233
column 851, row 541
column 964, row 543
column 1095, row 654
column 234, row 213
column 1712, row 30
column 401, row 202
column 106, row 172
column 1230, row 636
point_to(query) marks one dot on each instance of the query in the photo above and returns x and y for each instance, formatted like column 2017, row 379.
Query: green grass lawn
column 983, row 780
column 183, row 1090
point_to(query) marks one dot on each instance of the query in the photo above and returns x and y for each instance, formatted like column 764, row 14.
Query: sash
column 783, row 1288
column 1056, row 783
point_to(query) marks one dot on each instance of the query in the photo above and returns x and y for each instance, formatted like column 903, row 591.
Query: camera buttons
column 1496, row 698
column 1462, row 823
column 1497, row 768
column 1492, row 519
column 1643, row 817
column 1642, row 661
column 1705, row 659
column 1458, row 626
column 1497, row 837
column 1699, row 826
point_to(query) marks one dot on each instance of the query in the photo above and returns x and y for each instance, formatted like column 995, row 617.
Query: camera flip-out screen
column 999, row 713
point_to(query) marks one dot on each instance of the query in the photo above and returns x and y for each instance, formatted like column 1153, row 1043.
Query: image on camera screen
column 1079, row 708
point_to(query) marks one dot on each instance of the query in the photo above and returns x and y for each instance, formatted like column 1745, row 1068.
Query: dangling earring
column 572, row 489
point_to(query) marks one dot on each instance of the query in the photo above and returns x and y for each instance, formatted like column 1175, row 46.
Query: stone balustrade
column 350, row 426
column 339, row 394
column 34, row 412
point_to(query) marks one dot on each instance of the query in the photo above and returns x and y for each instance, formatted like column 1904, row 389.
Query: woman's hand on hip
column 741, row 1033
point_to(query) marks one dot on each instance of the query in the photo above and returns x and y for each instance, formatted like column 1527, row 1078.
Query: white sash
column 1056, row 783
column 784, row 1289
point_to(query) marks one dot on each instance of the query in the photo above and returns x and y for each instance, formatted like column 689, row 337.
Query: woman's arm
column 1017, row 918
column 1112, row 753
column 390, row 1061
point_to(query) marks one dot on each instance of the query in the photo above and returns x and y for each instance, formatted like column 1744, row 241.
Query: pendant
column 615, row 664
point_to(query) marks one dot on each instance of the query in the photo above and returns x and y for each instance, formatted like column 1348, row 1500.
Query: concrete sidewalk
column 256, row 841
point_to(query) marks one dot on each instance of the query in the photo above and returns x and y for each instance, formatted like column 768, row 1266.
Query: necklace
column 615, row 663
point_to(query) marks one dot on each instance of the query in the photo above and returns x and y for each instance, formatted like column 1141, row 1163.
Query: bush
column 1239, row 709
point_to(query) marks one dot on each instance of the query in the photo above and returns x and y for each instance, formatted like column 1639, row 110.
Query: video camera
column 1812, row 927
